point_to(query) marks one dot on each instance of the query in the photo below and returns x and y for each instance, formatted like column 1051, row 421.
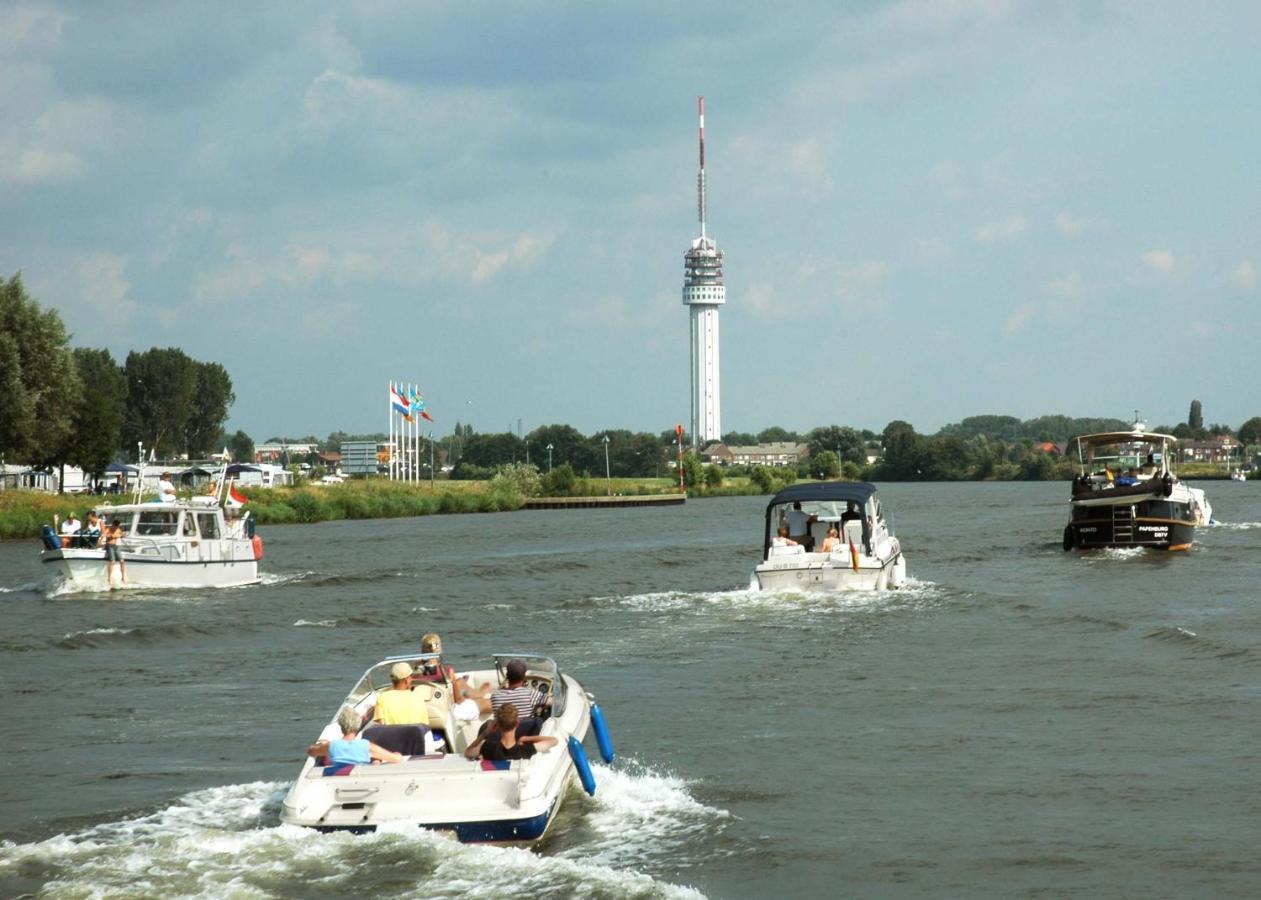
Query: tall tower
column 703, row 293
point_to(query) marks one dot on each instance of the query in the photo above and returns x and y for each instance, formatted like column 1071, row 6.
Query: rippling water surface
column 1017, row 722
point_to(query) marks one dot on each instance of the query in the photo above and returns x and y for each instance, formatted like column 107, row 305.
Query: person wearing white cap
column 70, row 531
column 400, row 705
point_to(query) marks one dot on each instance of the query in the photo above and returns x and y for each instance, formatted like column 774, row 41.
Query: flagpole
column 415, row 433
column 391, row 430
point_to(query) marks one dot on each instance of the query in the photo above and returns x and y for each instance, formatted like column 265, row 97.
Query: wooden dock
column 605, row 502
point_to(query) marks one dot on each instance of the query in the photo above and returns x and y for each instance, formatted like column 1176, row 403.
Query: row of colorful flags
column 409, row 407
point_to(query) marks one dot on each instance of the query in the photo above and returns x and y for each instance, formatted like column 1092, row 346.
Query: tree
column 846, row 443
column 241, row 446
column 98, row 415
column 489, row 451
column 739, row 439
column 693, row 471
column 713, row 476
column 824, row 464
column 1195, row 418
column 161, row 389
column 39, row 382
column 775, row 434
column 568, row 446
column 209, row 410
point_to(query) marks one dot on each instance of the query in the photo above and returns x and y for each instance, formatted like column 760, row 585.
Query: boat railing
column 178, row 549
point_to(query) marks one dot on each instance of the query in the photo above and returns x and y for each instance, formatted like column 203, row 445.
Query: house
column 779, row 453
column 1051, row 448
column 276, row 453
column 1220, row 449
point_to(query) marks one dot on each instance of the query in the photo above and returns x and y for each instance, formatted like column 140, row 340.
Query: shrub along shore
column 23, row 512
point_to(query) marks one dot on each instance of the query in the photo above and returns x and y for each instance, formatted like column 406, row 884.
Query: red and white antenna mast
column 700, row 178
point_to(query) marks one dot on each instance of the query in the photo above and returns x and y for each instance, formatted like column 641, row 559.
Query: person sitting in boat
column 832, row 541
column 782, row 539
column 468, row 704
column 91, row 532
column 509, row 736
column 352, row 750
column 400, row 705
column 70, row 531
column 1128, row 478
column 798, row 522
column 516, row 692
column 852, row 513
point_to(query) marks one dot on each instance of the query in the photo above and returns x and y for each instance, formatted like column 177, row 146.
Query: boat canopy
column 1116, row 437
column 857, row 491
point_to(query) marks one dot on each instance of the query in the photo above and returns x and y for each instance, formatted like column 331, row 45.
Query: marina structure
column 703, row 293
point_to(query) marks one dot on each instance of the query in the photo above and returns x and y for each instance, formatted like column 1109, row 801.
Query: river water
column 1018, row 721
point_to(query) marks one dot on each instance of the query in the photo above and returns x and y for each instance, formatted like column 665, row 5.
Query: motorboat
column 867, row 556
column 181, row 543
column 1128, row 495
column 477, row 801
column 1238, row 475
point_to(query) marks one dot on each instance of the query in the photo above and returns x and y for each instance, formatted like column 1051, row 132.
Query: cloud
column 1159, row 260
column 944, row 16
column 1069, row 287
column 1245, row 276
column 433, row 251
column 1069, row 226
column 820, row 284
column 947, row 175
column 1006, row 230
column 931, row 250
column 1019, row 319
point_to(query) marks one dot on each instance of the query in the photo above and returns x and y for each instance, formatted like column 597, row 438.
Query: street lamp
column 549, row 459
column 607, row 481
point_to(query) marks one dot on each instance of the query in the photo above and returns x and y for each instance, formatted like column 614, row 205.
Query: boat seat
column 791, row 550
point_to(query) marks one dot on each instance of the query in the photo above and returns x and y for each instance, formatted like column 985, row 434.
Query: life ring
column 579, row 756
column 258, row 546
column 601, row 733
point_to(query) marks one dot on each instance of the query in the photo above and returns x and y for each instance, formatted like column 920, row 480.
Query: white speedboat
column 478, row 801
column 867, row 557
column 1128, row 495
column 176, row 544
column 1238, row 475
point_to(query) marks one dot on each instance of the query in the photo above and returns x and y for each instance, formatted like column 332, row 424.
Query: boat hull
column 1156, row 524
column 87, row 570
column 807, row 575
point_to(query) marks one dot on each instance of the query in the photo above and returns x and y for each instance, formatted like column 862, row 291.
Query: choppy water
column 1019, row 722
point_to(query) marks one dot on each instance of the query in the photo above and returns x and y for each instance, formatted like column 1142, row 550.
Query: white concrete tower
column 703, row 293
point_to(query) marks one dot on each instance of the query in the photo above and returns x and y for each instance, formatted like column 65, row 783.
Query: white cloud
column 1019, row 319
column 931, row 250
column 1006, row 230
column 1070, row 226
column 941, row 16
column 1159, row 260
column 948, row 176
column 1245, row 275
column 1069, row 287
column 430, row 252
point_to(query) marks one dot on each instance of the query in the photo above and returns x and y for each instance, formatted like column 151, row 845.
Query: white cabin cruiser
column 1127, row 494
column 867, row 556
column 172, row 544
column 477, row 800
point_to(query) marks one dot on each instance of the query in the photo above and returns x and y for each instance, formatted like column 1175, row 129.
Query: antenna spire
column 700, row 178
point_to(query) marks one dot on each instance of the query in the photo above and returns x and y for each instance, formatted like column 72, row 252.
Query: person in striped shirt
column 517, row 692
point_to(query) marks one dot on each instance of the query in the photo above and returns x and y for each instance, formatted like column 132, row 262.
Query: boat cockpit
column 810, row 511
column 1126, row 462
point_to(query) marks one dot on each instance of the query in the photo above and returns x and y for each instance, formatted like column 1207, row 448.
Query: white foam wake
column 226, row 841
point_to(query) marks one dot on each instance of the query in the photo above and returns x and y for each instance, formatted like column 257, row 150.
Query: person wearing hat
column 70, row 531
column 166, row 489
column 400, row 705
column 517, row 692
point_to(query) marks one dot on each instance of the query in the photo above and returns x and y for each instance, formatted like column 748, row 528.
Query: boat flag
column 853, row 555
column 235, row 498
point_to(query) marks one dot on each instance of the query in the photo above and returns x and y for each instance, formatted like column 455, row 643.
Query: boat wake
column 912, row 592
column 227, row 841
column 1232, row 526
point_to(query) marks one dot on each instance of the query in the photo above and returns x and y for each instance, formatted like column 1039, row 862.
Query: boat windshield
column 540, row 671
column 378, row 677
column 1148, row 455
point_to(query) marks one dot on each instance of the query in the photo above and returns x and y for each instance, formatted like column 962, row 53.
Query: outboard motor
column 50, row 539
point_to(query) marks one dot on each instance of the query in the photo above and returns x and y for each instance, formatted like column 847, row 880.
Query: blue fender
column 601, row 733
column 579, row 757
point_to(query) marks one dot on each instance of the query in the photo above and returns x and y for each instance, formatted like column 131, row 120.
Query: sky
column 929, row 210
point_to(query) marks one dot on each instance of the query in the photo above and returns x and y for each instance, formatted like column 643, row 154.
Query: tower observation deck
column 703, row 293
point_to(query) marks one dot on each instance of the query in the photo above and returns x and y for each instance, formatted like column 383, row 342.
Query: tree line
column 77, row 406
